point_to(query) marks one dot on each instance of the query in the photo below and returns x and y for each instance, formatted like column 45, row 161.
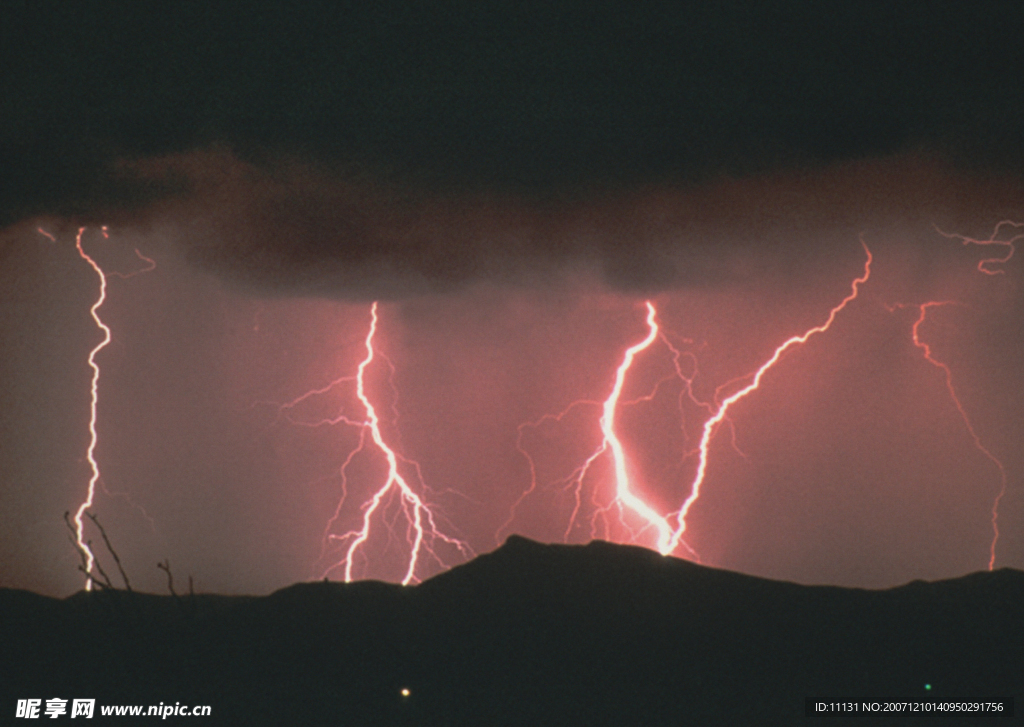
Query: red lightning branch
column 423, row 533
column 984, row 266
column 926, row 349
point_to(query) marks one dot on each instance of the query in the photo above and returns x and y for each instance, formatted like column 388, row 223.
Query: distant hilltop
column 529, row 634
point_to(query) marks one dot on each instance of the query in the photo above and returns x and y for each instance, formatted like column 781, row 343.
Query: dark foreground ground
column 527, row 635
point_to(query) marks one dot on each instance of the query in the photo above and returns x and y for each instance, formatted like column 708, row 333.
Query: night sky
column 511, row 183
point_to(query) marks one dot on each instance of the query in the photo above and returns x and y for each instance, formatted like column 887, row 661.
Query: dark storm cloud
column 376, row 148
column 288, row 227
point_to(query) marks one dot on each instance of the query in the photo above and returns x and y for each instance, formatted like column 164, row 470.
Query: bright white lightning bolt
column 623, row 491
column 625, row 498
column 94, row 402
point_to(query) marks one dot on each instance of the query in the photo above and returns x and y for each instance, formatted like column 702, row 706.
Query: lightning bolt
column 90, row 454
column 984, row 266
column 93, row 405
column 625, row 498
column 624, row 495
column 423, row 535
column 669, row 529
column 927, row 351
column 711, row 425
column 80, row 541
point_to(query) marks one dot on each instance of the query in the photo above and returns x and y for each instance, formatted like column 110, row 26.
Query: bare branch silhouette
column 73, row 536
column 166, row 568
column 110, row 548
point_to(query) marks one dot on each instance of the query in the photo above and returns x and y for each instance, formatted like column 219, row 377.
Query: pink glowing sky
column 851, row 465
column 511, row 181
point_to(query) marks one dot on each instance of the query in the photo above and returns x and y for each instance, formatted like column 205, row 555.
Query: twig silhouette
column 110, row 548
column 166, row 568
column 73, row 537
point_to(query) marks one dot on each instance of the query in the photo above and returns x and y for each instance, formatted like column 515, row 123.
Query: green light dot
column 928, row 686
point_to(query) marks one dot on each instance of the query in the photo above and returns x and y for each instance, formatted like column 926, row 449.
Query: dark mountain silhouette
column 529, row 634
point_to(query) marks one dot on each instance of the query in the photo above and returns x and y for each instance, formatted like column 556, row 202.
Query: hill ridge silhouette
column 530, row 633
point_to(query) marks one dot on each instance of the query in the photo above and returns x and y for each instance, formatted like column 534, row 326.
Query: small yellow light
column 405, row 692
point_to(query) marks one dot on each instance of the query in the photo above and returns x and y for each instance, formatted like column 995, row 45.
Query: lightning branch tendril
column 985, row 265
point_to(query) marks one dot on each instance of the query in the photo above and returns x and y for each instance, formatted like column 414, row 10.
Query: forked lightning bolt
column 423, row 533
column 623, row 492
column 669, row 528
column 625, row 497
